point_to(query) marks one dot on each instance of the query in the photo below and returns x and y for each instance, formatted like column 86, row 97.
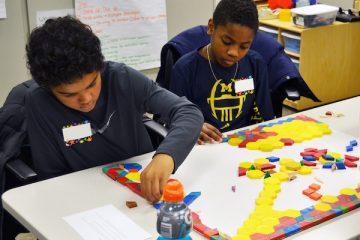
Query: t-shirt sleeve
column 183, row 118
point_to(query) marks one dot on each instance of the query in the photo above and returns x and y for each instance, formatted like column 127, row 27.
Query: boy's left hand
column 155, row 176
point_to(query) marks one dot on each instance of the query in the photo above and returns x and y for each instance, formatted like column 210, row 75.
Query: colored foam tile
column 335, row 155
column 122, row 180
column 287, row 141
column 210, row 232
column 245, row 165
column 306, row 224
column 309, row 158
column 282, row 176
column 291, row 213
column 336, row 211
column 322, row 207
column 300, row 218
column 350, row 205
column 218, row 237
column 309, row 164
column 324, row 216
column 305, row 170
column 267, row 174
column 310, row 149
column 271, row 181
column 328, row 157
column 315, row 196
column 343, row 209
column 327, row 165
column 267, row 147
column 252, row 145
column 267, row 166
column 290, row 230
column 259, row 236
column 264, row 229
column 353, row 143
column 340, row 165
column 348, row 191
column 255, row 174
column 234, row 141
column 225, row 139
column 293, row 166
column 274, row 188
column 305, row 153
column 287, row 221
column 314, row 186
column 258, row 162
column 201, row 228
column 307, row 210
column 308, row 191
column 349, row 148
column 134, row 176
column 241, row 171
column 329, row 199
column 112, row 174
column 191, row 197
column 284, row 161
column 273, row 159
column 271, row 221
column 131, row 204
column 351, row 158
column 132, row 166
column 264, row 201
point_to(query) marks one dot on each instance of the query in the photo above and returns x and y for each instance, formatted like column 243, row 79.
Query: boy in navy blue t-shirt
column 225, row 79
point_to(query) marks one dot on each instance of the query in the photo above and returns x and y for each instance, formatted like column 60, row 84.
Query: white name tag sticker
column 77, row 132
column 244, row 85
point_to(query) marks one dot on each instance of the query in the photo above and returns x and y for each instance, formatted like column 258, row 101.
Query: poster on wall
column 131, row 31
column 2, row 9
column 42, row 16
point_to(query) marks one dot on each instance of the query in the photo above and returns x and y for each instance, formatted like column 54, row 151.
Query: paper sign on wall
column 131, row 31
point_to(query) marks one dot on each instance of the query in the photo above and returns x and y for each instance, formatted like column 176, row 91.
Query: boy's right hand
column 209, row 134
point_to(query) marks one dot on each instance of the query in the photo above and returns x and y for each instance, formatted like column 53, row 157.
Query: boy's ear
column 211, row 27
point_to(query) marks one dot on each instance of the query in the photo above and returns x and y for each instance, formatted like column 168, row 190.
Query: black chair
column 284, row 79
column 15, row 150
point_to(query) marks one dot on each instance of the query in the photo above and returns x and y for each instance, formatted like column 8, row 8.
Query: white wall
column 13, row 37
column 183, row 14
column 345, row 4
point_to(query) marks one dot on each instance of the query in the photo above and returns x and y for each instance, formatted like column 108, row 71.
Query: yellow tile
column 304, row 170
column 324, row 207
column 255, row 174
column 329, row 199
column 348, row 191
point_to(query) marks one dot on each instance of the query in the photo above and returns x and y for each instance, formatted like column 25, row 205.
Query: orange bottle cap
column 174, row 191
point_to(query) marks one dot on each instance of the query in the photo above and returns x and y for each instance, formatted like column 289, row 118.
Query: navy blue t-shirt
column 221, row 106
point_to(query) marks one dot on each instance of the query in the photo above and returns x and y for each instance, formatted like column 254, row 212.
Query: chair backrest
column 284, row 78
column 13, row 147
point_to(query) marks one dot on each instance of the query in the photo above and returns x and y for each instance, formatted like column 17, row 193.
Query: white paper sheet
column 2, row 9
column 105, row 223
column 42, row 16
column 132, row 31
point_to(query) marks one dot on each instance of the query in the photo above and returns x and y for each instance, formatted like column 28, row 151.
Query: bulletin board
column 131, row 31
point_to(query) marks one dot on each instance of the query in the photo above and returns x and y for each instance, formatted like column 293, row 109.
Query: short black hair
column 61, row 51
column 243, row 12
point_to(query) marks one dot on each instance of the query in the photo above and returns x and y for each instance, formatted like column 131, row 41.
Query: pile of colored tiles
column 276, row 135
column 128, row 174
column 267, row 223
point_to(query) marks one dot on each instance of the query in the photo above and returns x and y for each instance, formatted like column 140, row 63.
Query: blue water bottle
column 174, row 217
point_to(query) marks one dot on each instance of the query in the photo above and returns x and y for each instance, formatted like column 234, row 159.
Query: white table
column 210, row 169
